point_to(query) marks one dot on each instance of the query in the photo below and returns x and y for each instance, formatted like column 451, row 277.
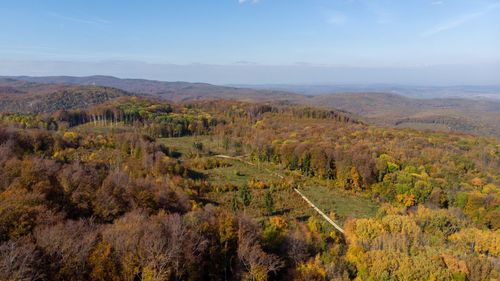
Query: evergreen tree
column 294, row 163
column 306, row 165
column 269, row 202
column 235, row 203
column 226, row 143
column 198, row 146
column 330, row 170
column 245, row 196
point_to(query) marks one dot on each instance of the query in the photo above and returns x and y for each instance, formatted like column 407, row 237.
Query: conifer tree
column 269, row 202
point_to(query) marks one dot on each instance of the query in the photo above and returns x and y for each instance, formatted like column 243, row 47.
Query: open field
column 287, row 203
column 345, row 205
column 185, row 145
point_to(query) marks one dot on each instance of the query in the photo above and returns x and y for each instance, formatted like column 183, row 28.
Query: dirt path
column 318, row 210
column 328, row 219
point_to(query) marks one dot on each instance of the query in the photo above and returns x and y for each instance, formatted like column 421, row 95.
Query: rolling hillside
column 478, row 116
column 174, row 91
column 28, row 97
column 471, row 116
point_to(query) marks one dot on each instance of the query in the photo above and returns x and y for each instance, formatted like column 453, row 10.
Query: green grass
column 185, row 145
column 287, row 203
column 425, row 126
column 238, row 174
column 345, row 205
column 99, row 129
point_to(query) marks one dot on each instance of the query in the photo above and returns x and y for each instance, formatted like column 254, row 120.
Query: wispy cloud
column 455, row 23
column 93, row 21
column 383, row 14
column 437, row 2
column 248, row 1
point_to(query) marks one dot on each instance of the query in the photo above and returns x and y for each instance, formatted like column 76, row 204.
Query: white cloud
column 455, row 23
column 248, row 1
column 437, row 2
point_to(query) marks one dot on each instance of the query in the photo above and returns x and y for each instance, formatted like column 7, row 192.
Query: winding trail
column 318, row 210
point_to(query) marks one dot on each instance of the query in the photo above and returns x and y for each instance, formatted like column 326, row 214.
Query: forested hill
column 16, row 96
column 452, row 114
column 448, row 114
column 174, row 91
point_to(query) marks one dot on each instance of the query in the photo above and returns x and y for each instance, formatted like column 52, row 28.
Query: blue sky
column 310, row 33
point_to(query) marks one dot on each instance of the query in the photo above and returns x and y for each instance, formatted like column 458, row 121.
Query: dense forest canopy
column 98, row 193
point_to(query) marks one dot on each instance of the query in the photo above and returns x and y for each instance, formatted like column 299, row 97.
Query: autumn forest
column 128, row 187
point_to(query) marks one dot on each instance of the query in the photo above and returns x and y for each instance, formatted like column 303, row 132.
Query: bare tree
column 19, row 261
column 69, row 246
column 257, row 263
column 297, row 247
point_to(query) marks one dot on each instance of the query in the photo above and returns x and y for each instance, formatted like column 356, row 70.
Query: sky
column 255, row 41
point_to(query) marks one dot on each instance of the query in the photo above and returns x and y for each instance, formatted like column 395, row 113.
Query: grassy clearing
column 425, row 126
column 238, row 174
column 287, row 203
column 185, row 145
column 99, row 129
column 343, row 204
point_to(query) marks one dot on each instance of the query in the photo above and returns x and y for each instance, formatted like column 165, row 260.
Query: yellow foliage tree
column 356, row 178
column 312, row 270
column 102, row 263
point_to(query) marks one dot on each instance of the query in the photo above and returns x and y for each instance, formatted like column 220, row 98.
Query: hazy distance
column 315, row 42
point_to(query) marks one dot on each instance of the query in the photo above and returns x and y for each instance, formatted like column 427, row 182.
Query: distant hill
column 174, row 91
column 452, row 114
column 478, row 116
column 29, row 97
column 466, row 92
